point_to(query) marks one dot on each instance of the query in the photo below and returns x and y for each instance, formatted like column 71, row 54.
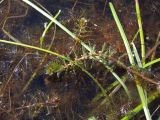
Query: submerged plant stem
column 35, row 48
column 59, row 24
column 123, row 35
column 137, row 109
column 58, row 55
column 139, row 19
column 87, row 47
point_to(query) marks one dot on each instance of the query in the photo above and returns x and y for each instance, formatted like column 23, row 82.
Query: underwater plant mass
column 79, row 60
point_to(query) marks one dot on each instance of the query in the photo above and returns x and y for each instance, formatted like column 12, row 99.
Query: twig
column 129, row 69
column 40, row 64
column 12, row 17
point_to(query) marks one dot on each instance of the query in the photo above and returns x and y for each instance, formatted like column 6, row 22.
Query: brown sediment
column 67, row 95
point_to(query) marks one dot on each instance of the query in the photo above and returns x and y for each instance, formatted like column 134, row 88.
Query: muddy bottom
column 39, row 86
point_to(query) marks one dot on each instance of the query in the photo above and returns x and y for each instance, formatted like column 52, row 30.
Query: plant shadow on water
column 68, row 94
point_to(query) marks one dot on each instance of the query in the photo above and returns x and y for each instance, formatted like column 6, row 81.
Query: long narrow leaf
column 151, row 63
column 58, row 23
column 46, row 29
column 139, row 19
column 123, row 35
column 136, row 55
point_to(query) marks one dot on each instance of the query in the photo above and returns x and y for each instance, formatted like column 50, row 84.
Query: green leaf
column 41, row 41
column 54, row 67
column 92, row 118
column 151, row 62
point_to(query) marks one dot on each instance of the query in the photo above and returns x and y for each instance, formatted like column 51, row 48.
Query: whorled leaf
column 53, row 67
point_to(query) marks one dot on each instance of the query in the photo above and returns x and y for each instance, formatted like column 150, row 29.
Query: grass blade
column 35, row 48
column 58, row 24
column 151, row 62
column 137, row 109
column 139, row 19
column 136, row 55
column 123, row 35
column 46, row 29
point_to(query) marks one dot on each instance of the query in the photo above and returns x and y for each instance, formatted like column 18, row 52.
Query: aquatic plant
column 141, row 63
column 104, row 57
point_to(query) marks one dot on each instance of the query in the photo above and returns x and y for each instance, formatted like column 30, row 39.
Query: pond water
column 28, row 93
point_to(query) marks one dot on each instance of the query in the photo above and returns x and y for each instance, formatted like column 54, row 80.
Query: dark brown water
column 68, row 95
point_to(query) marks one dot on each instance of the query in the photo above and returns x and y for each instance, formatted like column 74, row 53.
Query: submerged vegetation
column 88, row 62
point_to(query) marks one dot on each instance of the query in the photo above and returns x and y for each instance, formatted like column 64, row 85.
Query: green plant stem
column 90, row 49
column 101, row 60
column 58, row 55
column 58, row 24
column 137, row 109
column 131, row 59
column 141, row 31
column 136, row 55
column 144, row 101
column 135, row 36
column 40, row 64
column 95, row 80
column 123, row 35
column 111, row 86
column 140, row 89
column 47, row 28
column 119, row 80
column 151, row 62
column 35, row 48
